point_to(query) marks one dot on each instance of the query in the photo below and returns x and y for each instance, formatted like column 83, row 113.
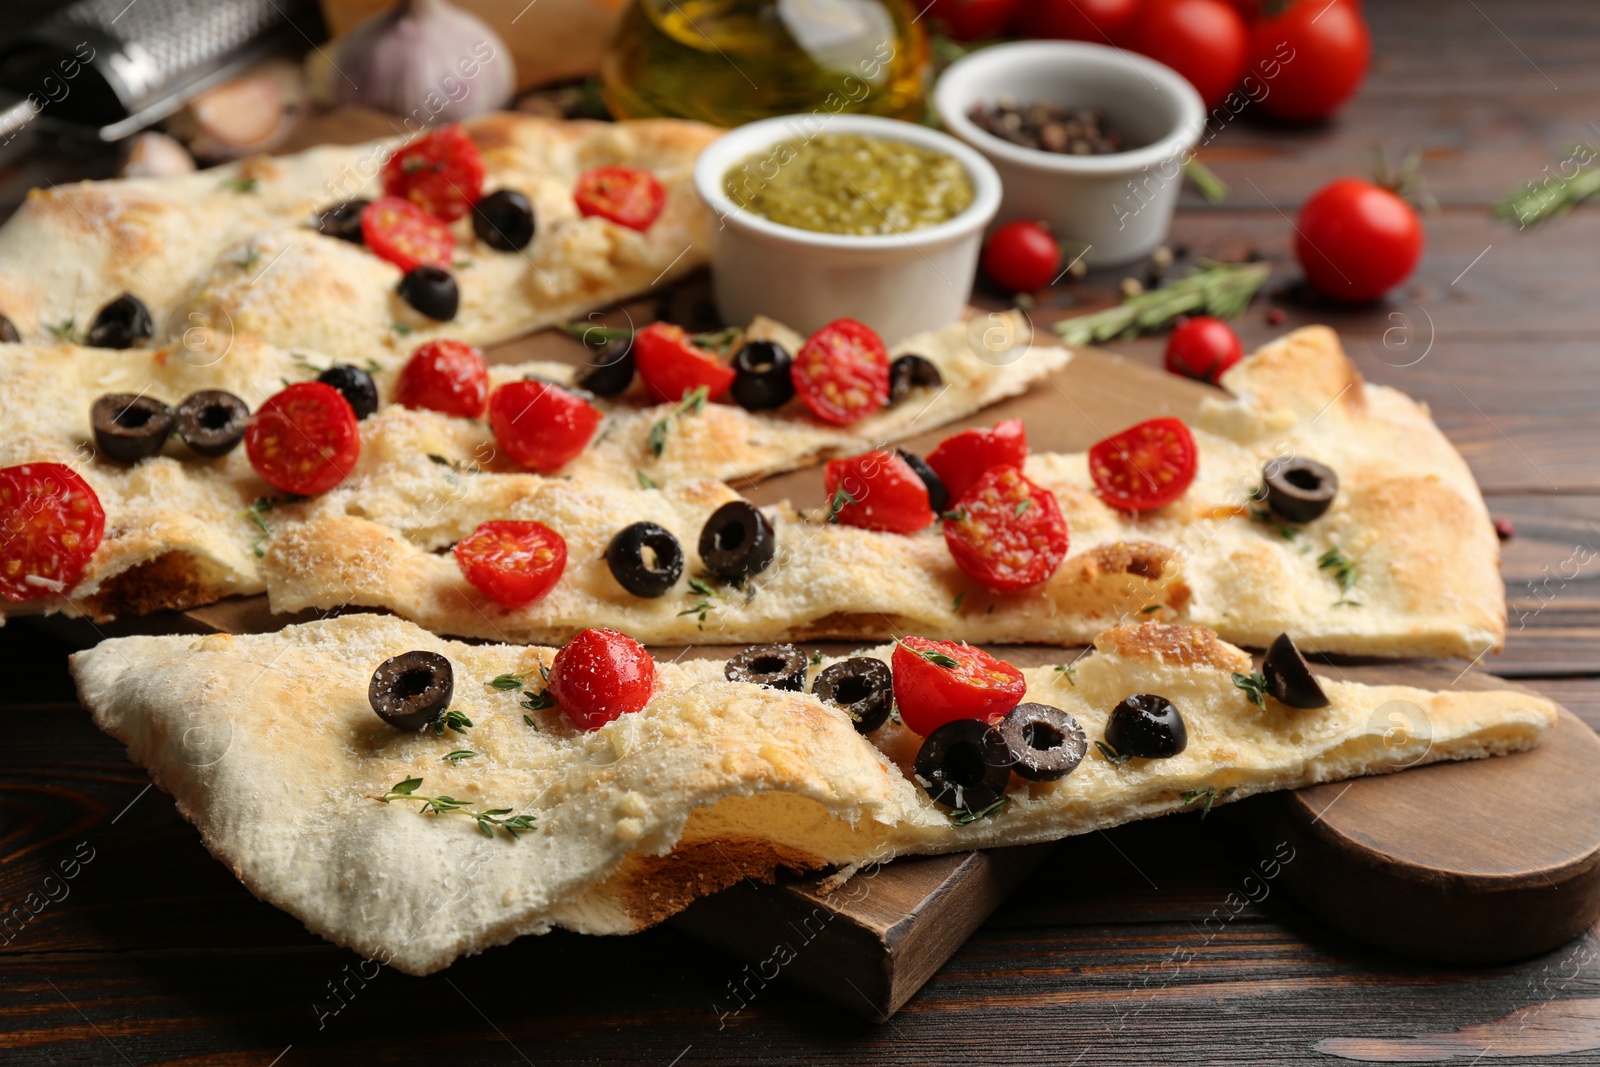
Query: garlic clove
column 425, row 60
column 155, row 155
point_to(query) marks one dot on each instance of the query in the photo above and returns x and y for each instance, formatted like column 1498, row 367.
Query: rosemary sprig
column 487, row 820
column 1254, row 686
column 1112, row 756
column 1220, row 289
column 1538, row 202
column 693, row 402
column 966, row 817
column 1209, row 795
column 455, row 721
column 1205, row 181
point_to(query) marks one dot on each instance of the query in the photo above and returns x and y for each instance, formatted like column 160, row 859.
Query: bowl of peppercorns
column 1087, row 139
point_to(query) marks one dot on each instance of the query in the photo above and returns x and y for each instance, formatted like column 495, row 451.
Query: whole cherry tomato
column 444, row 375
column 1356, row 240
column 1204, row 40
column 1310, row 58
column 1022, row 257
column 541, row 426
column 1076, row 20
column 967, row 20
column 600, row 675
column 1203, row 348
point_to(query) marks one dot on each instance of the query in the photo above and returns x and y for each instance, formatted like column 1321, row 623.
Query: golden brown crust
column 1181, row 646
column 649, row 889
column 174, row 581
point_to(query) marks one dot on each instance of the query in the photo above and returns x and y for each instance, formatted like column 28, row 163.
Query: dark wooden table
column 150, row 952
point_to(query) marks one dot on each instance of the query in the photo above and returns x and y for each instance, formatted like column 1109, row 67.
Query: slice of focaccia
column 269, row 746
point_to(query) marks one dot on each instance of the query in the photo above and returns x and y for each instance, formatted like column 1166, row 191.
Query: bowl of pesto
column 828, row 216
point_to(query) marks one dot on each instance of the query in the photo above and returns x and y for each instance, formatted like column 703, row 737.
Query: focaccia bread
column 269, row 746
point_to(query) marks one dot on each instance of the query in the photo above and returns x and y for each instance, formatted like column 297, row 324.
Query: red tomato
column 1006, row 532
column 960, row 460
column 628, row 197
column 1310, row 58
column 1022, row 257
column 1203, row 348
column 51, row 523
column 672, row 366
column 599, row 675
column 842, row 372
column 1356, row 240
column 512, row 563
column 967, row 20
column 405, row 235
column 304, row 439
column 446, row 376
column 1204, row 40
column 1076, row 20
column 441, row 172
column 936, row 682
column 887, row 493
column 1145, row 466
column 541, row 426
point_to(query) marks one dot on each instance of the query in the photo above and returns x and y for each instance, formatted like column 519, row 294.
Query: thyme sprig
column 693, row 402
column 842, row 498
column 454, row 720
column 1210, row 795
column 1069, row 672
column 938, row 659
column 966, row 816
column 1254, row 686
column 1222, row 290
column 487, row 820
column 1344, row 572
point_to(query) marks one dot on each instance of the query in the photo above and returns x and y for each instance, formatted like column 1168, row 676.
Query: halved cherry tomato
column 407, row 236
column 936, row 682
column 601, row 675
column 51, row 523
column 1203, row 348
column 1145, row 466
column 541, row 425
column 877, row 491
column 1006, row 532
column 961, row 459
column 441, row 172
column 671, row 365
column 625, row 195
column 512, row 563
column 446, row 376
column 304, row 439
column 842, row 372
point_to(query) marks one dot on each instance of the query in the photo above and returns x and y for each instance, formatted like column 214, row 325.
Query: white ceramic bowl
column 1118, row 205
column 899, row 284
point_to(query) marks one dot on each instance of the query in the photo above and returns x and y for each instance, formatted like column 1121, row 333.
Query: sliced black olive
column 1289, row 679
column 212, row 422
column 8, row 332
column 737, row 541
column 909, row 372
column 863, row 688
column 343, row 221
column 410, row 691
column 1147, row 726
column 640, row 574
column 608, row 371
column 761, row 376
column 355, row 384
column 122, row 323
column 772, row 666
column 1299, row 490
column 432, row 291
column 503, row 220
column 128, row 427
column 1045, row 743
column 938, row 495
column 964, row 764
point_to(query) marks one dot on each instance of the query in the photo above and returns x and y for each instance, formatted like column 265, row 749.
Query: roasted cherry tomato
column 600, row 675
column 304, row 439
column 1022, row 257
column 50, row 524
column 405, row 235
column 961, row 459
column 1006, row 532
column 446, row 376
column 1310, row 58
column 540, row 425
column 441, row 172
column 1203, row 348
column 968, row 20
column 877, row 491
column 1100, row 21
column 672, row 365
column 1356, row 240
column 842, row 372
column 1145, row 466
column 512, row 563
column 625, row 195
column 1204, row 40
column 936, row 682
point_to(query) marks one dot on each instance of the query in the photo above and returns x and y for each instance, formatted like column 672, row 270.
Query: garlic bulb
column 425, row 60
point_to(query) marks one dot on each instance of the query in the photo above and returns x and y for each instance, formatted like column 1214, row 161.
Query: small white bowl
column 1119, row 205
column 899, row 284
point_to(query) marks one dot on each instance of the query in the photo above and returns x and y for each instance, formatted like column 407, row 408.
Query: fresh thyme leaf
column 1149, row 608
column 955, row 605
column 528, row 719
column 454, row 720
column 1023, row 506
column 1111, row 754
column 596, row 336
column 1222, row 290
column 64, row 331
column 647, row 482
column 1210, row 795
column 252, row 256
column 956, row 515
column 1254, row 686
column 692, row 403
column 841, row 498
column 1342, row 566
column 405, row 788
column 701, row 586
column 401, row 328
column 966, row 817
column 240, row 184
column 816, row 659
column 540, row 701
column 505, row 683
column 938, row 659
column 718, row 341
column 486, row 820
column 1070, row 672
column 459, row 754
column 374, row 367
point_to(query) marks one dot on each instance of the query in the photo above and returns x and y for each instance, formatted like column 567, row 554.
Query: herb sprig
column 487, row 820
column 454, row 720
column 938, row 659
column 693, row 402
column 842, row 498
column 1550, row 199
column 1222, row 290
column 1210, row 795
column 1254, row 686
column 1344, row 572
column 966, row 816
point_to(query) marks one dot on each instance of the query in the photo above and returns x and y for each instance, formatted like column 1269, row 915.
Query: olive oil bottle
column 728, row 62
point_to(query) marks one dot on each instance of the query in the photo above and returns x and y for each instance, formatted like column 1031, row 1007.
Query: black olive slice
column 1299, row 490
column 343, row 221
column 212, row 422
column 772, row 666
column 8, row 332
column 1289, row 679
column 761, row 376
column 122, row 323
column 128, row 427
column 737, row 541
column 1045, row 742
column 503, row 220
column 863, row 688
column 355, row 385
column 608, row 371
column 410, row 691
column 964, row 765
column 909, row 372
column 938, row 495
column 1147, row 726
column 432, row 291
column 641, row 575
